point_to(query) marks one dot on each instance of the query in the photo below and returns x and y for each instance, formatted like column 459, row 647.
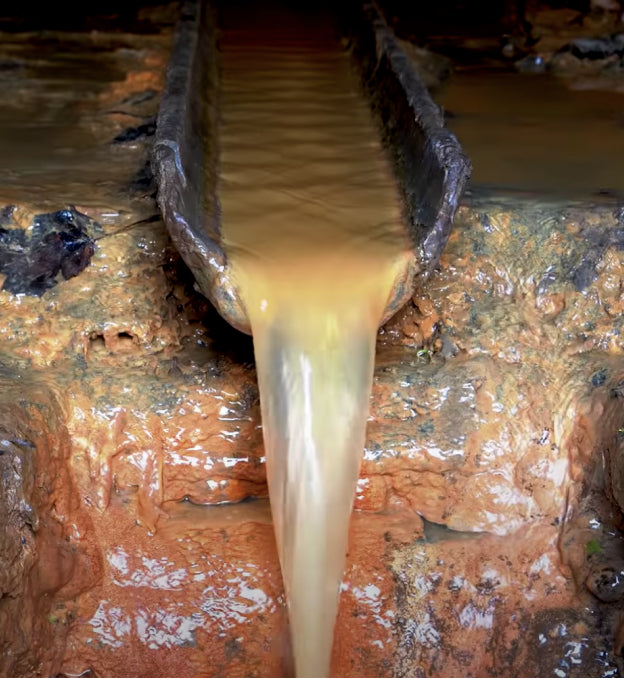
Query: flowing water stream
column 312, row 226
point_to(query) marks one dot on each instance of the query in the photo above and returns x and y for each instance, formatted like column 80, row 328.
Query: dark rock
column 599, row 378
column 486, row 224
column 6, row 215
column 618, row 238
column 596, row 48
column 618, row 213
column 131, row 134
column 60, row 243
column 597, row 242
column 606, row 583
column 583, row 275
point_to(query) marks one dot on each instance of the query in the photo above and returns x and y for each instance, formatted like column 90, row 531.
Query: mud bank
column 495, row 412
column 137, row 537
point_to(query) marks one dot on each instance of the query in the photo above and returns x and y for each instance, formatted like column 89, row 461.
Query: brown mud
column 486, row 537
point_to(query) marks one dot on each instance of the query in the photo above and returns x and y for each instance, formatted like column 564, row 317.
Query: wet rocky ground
column 136, row 532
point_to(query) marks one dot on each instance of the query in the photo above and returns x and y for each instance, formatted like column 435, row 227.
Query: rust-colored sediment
column 130, row 411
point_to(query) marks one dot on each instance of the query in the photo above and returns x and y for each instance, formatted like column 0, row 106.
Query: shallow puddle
column 533, row 133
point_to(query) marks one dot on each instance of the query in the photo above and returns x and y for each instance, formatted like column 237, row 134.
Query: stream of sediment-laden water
column 312, row 225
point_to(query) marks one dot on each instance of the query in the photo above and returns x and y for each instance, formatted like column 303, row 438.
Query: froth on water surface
column 312, row 227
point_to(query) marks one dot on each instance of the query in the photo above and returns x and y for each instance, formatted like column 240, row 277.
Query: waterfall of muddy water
column 312, row 226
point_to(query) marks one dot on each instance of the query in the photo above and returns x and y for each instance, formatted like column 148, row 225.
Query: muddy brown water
column 537, row 133
column 312, row 226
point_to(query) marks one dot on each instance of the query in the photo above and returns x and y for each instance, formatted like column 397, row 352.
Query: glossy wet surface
column 311, row 225
column 484, row 541
column 533, row 133
column 57, row 140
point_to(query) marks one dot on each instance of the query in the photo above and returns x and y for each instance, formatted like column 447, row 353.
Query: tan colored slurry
column 311, row 224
